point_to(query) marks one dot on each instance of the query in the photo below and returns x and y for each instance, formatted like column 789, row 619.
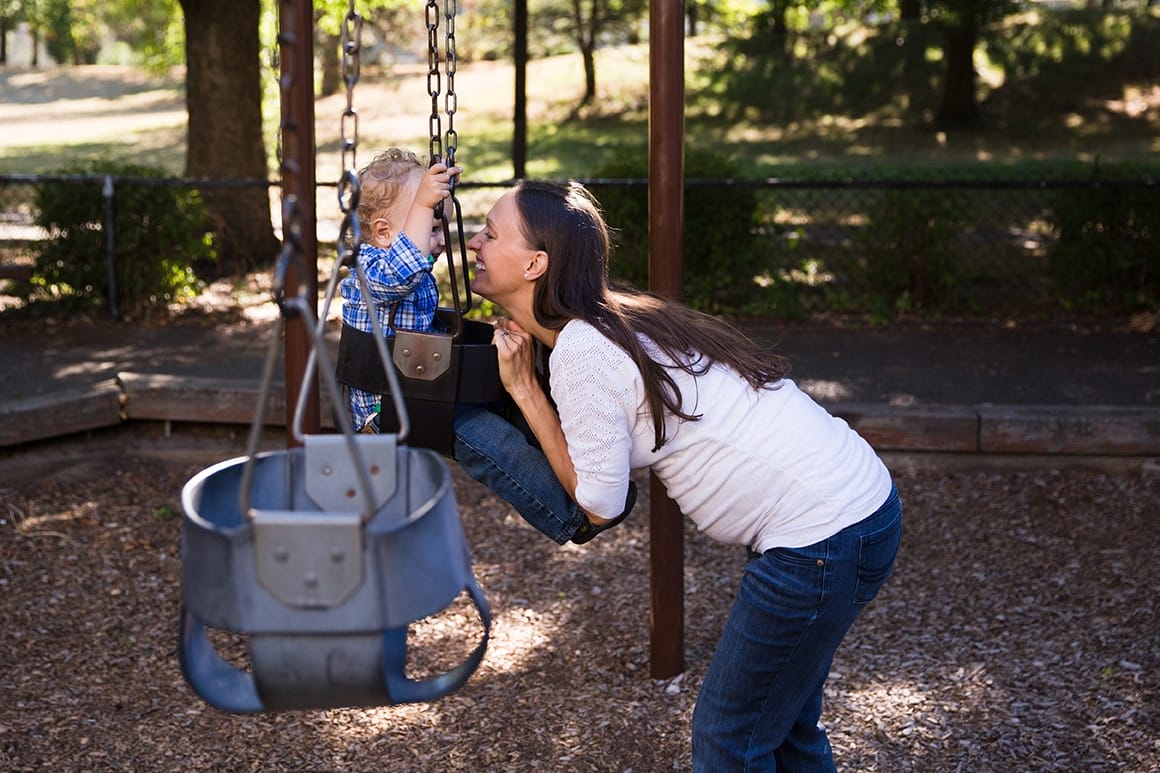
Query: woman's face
column 502, row 256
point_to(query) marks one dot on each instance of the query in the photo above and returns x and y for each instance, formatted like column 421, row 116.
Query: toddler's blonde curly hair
column 382, row 180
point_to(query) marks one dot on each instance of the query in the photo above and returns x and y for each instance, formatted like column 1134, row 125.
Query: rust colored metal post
column 666, row 190
column 520, row 119
column 299, row 180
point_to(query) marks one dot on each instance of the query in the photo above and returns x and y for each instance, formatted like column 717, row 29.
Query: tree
column 151, row 28
column 909, row 10
column 224, row 102
column 395, row 22
column 9, row 15
column 590, row 23
column 961, row 22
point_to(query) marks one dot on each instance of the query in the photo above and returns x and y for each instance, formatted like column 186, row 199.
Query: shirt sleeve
column 394, row 273
column 402, row 289
column 598, row 391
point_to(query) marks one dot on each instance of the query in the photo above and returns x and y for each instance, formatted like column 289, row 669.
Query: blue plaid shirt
column 398, row 276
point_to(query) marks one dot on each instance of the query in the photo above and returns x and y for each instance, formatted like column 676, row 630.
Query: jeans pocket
column 876, row 554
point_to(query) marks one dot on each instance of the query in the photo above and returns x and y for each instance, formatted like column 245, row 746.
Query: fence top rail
column 777, row 182
column 161, row 182
column 608, row 182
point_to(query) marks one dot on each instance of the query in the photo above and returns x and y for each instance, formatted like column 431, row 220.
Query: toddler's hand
column 436, row 184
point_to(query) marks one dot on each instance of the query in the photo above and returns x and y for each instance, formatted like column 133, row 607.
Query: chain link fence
column 966, row 247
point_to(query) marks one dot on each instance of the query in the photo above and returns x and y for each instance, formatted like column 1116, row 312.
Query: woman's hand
column 517, row 370
column 517, row 359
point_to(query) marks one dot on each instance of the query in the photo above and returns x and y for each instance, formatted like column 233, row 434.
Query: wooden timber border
column 1080, row 430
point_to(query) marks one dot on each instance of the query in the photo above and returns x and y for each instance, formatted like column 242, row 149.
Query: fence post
column 107, row 193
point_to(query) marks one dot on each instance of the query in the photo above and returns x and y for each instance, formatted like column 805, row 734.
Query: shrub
column 159, row 232
column 720, row 237
column 908, row 257
column 1106, row 257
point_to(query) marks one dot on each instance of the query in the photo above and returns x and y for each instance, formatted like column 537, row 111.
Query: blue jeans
column 761, row 701
column 502, row 457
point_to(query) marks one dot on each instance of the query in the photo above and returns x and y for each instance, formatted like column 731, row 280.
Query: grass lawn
column 1052, row 90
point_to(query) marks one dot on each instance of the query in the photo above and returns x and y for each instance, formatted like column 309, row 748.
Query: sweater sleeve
column 598, row 391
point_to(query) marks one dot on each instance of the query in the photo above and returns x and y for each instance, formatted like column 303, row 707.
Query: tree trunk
column 4, row 40
column 778, row 27
column 910, row 10
column 589, row 57
column 587, row 33
column 224, row 101
column 959, row 107
column 330, row 51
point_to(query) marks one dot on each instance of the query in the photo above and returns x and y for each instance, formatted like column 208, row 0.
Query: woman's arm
column 517, row 368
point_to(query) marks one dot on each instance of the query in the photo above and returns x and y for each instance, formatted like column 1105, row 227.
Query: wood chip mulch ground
column 1018, row 633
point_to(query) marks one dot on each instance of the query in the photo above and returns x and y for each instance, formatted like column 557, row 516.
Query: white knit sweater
column 766, row 468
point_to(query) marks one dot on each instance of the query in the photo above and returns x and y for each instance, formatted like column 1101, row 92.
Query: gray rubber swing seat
column 324, row 593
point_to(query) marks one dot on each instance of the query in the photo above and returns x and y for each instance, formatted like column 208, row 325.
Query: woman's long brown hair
column 566, row 223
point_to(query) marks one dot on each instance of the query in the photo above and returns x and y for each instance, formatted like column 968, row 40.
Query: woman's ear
column 537, row 265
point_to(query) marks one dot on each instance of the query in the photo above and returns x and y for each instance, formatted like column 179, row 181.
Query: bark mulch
column 1018, row 633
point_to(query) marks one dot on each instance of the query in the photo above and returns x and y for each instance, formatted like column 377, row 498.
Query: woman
column 639, row 381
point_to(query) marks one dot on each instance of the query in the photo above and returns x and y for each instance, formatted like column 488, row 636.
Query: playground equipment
column 323, row 554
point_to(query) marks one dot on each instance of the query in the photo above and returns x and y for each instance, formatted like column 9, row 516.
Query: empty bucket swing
column 322, row 555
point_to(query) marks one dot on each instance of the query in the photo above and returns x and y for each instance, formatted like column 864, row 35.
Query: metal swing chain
column 292, row 247
column 434, row 85
column 292, row 252
column 349, row 189
column 444, row 149
column 451, row 101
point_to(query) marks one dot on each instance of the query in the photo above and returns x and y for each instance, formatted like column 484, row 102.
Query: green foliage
column 69, row 36
column 153, row 30
column 910, row 258
column 159, row 232
column 1107, row 253
column 720, row 237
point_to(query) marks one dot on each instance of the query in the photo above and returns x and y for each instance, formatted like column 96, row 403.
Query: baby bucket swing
column 436, row 369
column 321, row 556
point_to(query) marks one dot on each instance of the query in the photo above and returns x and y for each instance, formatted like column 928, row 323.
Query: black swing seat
column 436, row 371
column 324, row 592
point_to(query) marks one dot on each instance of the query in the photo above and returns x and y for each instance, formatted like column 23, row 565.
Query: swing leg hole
column 232, row 647
column 439, row 642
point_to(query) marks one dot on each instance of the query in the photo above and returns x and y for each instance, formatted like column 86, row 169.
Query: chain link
column 452, row 101
column 349, row 188
column 434, row 85
column 293, row 251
